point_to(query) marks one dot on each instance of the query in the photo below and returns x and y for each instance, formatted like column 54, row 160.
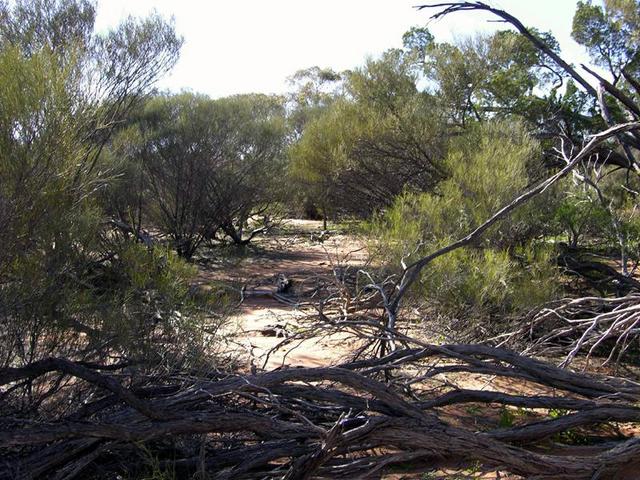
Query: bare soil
column 302, row 253
column 263, row 328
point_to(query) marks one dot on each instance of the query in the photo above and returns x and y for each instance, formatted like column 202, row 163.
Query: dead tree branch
column 328, row 422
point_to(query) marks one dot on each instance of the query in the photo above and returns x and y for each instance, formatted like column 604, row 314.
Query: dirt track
column 306, row 257
column 262, row 322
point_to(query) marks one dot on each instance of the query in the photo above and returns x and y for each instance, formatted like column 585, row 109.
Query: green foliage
column 138, row 301
column 571, row 436
column 487, row 281
column 611, row 35
column 322, row 152
column 32, row 25
column 195, row 167
column 506, row 418
column 417, row 40
column 580, row 215
column 507, row 271
column 365, row 148
column 598, row 213
column 144, row 299
column 69, row 284
column 486, row 167
column 487, row 76
column 314, row 89
column 384, row 135
column 152, row 468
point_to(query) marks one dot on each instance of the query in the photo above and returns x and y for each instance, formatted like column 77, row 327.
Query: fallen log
column 334, row 422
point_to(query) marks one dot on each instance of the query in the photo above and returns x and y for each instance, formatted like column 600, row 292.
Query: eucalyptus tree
column 485, row 76
column 250, row 180
column 611, row 35
column 382, row 136
column 180, row 141
column 313, row 90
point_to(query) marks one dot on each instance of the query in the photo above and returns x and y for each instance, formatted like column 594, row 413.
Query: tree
column 611, row 35
column 209, row 165
column 491, row 75
column 313, row 90
column 57, row 25
column 63, row 90
column 417, row 40
column 250, row 179
column 365, row 149
column 181, row 140
column 389, row 131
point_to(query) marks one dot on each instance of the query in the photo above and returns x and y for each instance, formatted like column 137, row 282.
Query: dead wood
column 589, row 325
column 334, row 422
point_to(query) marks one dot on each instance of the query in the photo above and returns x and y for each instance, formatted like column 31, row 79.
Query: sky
column 244, row 46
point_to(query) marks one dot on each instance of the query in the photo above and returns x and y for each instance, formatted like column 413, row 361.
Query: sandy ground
column 263, row 328
column 302, row 254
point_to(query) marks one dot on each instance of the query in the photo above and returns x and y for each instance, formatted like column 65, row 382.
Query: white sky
column 242, row 46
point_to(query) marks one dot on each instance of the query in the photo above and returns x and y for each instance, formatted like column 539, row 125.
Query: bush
column 200, row 168
column 510, row 269
column 363, row 149
column 70, row 286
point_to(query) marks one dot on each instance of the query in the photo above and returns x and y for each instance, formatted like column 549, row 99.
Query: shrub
column 510, row 269
column 71, row 286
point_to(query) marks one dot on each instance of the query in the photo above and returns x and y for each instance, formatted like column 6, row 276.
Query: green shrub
column 581, row 217
column 70, row 285
column 510, row 269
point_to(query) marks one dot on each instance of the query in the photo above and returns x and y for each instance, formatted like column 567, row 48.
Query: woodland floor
column 262, row 322
column 263, row 328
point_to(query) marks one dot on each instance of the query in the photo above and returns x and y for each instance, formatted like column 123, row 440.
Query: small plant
column 506, row 418
column 473, row 410
column 153, row 469
column 571, row 436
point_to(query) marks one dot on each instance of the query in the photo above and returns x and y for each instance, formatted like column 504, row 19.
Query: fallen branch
column 327, row 422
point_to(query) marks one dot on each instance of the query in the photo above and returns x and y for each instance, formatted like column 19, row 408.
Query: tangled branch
column 336, row 422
